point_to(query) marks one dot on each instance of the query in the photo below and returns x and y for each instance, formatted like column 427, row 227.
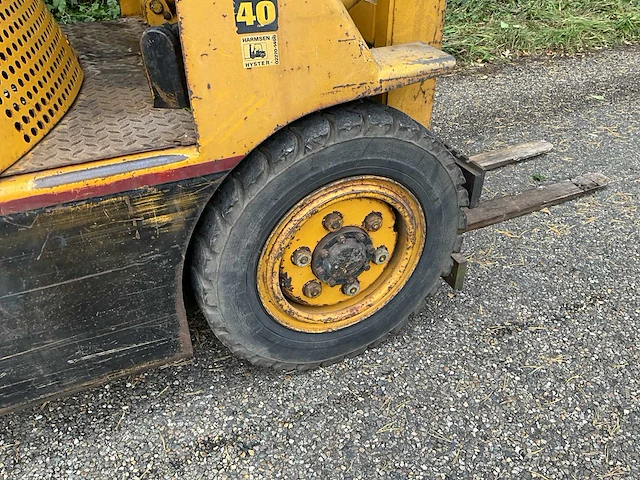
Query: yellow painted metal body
column 393, row 22
column 317, row 57
column 40, row 76
column 403, row 232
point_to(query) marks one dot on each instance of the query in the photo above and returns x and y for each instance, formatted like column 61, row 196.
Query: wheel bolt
column 351, row 289
column 332, row 282
column 381, row 255
column 333, row 221
column 342, row 239
column 373, row 222
column 301, row 257
column 312, row 289
column 324, row 253
column 361, row 237
column 320, row 271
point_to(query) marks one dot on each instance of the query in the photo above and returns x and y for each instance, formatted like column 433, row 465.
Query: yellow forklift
column 273, row 155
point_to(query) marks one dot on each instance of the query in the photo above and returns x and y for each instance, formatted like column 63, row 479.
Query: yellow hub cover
column 341, row 254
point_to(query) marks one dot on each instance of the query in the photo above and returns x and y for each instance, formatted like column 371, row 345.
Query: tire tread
column 312, row 133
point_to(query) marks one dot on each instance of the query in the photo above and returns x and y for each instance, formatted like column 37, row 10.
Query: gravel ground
column 530, row 373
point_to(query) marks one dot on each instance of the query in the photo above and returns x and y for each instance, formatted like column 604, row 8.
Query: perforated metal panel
column 40, row 76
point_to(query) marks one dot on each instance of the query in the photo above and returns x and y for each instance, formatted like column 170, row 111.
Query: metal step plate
column 113, row 114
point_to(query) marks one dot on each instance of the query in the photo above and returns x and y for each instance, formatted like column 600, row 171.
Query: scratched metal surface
column 93, row 288
column 114, row 112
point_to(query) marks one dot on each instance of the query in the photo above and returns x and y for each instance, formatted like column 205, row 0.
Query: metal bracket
column 456, row 278
column 474, row 179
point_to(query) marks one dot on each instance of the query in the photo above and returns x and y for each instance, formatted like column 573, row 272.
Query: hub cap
column 348, row 279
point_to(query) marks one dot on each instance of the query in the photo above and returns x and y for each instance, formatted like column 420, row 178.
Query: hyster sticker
column 256, row 16
column 260, row 51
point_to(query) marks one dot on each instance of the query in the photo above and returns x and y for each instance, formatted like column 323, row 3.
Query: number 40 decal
column 254, row 16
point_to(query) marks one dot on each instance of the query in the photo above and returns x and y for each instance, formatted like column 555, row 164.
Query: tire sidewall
column 410, row 164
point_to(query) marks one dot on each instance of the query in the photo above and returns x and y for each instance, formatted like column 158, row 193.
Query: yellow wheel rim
column 341, row 254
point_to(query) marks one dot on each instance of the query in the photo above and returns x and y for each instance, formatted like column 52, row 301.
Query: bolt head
column 381, row 255
column 361, row 237
column 342, row 239
column 320, row 271
column 373, row 222
column 351, row 289
column 333, row 221
column 312, row 289
column 156, row 7
column 301, row 257
column 332, row 282
column 324, row 253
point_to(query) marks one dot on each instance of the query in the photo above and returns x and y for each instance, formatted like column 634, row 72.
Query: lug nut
column 361, row 237
column 320, row 271
column 312, row 289
column 332, row 282
column 333, row 221
column 156, row 7
column 301, row 257
column 381, row 255
column 351, row 289
column 342, row 239
column 373, row 222
column 324, row 253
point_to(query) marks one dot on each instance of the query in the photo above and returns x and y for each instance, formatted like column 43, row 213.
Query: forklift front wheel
column 326, row 238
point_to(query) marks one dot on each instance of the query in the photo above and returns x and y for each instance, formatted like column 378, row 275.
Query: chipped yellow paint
column 341, row 311
column 131, row 8
column 394, row 22
column 23, row 186
column 311, row 232
column 323, row 60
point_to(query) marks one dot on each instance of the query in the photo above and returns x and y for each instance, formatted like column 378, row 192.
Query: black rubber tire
column 363, row 138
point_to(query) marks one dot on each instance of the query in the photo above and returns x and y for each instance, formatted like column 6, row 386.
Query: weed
column 71, row 11
column 490, row 30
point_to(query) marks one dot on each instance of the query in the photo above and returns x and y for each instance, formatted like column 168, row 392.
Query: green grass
column 490, row 30
column 71, row 11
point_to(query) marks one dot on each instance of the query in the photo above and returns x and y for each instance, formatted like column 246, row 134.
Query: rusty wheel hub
column 342, row 255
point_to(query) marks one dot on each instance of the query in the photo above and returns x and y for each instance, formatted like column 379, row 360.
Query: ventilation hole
column 34, row 131
column 18, row 126
column 8, row 113
column 27, row 138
